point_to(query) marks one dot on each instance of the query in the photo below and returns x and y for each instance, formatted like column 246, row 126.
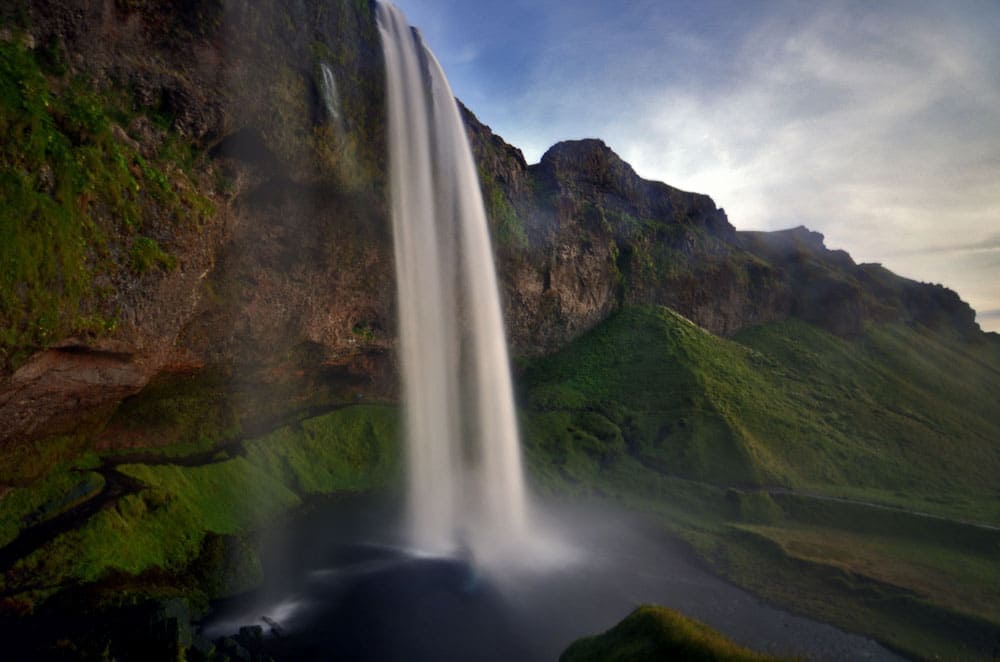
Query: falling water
column 331, row 99
column 466, row 487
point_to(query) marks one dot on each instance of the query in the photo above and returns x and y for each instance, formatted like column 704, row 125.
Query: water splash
column 466, row 486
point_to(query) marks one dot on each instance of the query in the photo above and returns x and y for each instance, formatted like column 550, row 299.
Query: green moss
column 146, row 254
column 363, row 331
column 62, row 488
column 228, row 565
column 163, row 526
column 167, row 526
column 508, row 229
column 351, row 449
column 73, row 195
column 228, row 497
column 25, row 462
column 656, row 633
column 180, row 415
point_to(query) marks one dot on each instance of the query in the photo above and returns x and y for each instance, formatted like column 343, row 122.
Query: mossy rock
column 652, row 634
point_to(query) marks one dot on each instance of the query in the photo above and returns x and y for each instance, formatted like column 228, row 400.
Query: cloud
column 881, row 132
column 989, row 245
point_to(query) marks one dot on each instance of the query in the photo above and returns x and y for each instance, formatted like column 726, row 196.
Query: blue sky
column 876, row 123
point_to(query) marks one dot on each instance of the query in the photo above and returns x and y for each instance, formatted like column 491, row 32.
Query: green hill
column 847, row 479
column 899, row 415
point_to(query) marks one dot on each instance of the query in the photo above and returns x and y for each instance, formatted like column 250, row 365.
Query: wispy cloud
column 988, row 245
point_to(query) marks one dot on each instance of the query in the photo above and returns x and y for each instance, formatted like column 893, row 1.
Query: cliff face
column 250, row 138
column 244, row 234
column 591, row 236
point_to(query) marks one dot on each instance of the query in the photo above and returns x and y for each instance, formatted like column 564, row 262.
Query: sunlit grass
column 652, row 633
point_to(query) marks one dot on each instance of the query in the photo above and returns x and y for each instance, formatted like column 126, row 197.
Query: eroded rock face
column 59, row 386
column 599, row 237
column 290, row 271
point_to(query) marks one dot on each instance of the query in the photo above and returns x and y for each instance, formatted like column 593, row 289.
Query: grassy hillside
column 899, row 415
column 847, row 479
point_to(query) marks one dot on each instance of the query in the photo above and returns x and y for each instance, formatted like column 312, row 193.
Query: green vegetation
column 508, row 229
column 170, row 523
column 653, row 633
column 956, row 576
column 21, row 464
column 797, row 464
column 147, row 254
column 674, row 394
column 351, row 449
column 178, row 415
column 63, row 487
column 788, row 405
column 829, row 475
column 162, row 526
column 75, row 198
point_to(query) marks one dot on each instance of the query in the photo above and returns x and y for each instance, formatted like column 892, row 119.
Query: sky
column 875, row 123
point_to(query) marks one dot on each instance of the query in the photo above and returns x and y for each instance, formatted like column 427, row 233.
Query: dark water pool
column 341, row 586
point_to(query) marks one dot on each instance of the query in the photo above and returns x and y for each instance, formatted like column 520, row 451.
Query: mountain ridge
column 759, row 276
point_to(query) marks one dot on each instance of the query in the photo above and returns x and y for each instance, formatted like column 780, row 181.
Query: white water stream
column 466, row 486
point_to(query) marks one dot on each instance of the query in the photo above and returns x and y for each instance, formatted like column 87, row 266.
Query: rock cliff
column 270, row 260
column 580, row 234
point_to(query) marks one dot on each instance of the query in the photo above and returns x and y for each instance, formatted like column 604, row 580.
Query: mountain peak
column 590, row 159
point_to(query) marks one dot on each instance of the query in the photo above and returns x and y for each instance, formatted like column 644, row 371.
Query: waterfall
column 465, row 482
column 331, row 99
